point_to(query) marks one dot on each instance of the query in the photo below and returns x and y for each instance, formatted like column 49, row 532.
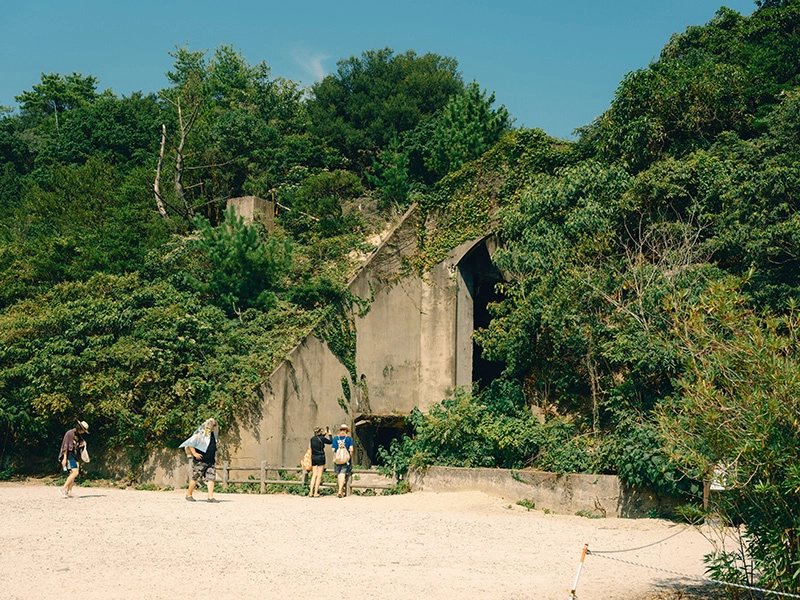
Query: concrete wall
column 600, row 495
column 253, row 207
column 405, row 346
column 407, row 355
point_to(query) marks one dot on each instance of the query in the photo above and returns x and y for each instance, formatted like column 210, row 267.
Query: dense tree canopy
column 647, row 321
column 372, row 99
column 648, row 317
column 115, row 239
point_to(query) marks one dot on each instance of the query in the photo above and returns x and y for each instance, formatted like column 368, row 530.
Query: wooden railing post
column 225, row 475
column 263, row 477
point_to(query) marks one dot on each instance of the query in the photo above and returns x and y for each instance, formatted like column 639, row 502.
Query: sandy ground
column 110, row 543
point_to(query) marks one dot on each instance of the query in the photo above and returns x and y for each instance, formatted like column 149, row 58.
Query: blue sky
column 554, row 65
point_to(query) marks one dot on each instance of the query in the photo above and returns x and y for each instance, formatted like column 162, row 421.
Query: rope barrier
column 686, row 576
column 640, row 547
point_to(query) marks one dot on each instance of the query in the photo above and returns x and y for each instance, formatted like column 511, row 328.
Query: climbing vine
column 338, row 328
column 465, row 203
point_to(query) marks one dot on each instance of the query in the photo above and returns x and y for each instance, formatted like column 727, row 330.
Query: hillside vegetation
column 648, row 324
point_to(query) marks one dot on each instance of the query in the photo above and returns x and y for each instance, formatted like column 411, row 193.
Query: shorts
column 203, row 471
column 72, row 463
column 346, row 468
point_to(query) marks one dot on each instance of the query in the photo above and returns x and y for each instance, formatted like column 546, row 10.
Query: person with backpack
column 73, row 450
column 317, row 445
column 342, row 456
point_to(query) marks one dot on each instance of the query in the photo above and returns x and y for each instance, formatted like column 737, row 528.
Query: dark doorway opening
column 482, row 277
column 377, row 431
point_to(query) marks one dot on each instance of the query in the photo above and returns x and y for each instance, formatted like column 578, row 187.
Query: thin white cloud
column 311, row 63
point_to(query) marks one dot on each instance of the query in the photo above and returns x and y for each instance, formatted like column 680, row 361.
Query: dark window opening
column 479, row 270
column 377, row 431
column 484, row 371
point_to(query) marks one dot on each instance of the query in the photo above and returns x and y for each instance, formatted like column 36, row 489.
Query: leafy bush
column 642, row 463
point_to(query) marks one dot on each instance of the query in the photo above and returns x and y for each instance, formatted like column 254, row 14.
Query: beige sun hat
column 344, row 427
column 84, row 425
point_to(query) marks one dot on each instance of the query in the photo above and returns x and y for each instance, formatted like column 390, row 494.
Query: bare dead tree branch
column 286, row 208
column 157, row 183
column 211, row 166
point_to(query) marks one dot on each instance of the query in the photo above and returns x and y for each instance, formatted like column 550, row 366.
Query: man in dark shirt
column 202, row 447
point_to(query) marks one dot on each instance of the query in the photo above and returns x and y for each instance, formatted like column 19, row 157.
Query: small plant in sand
column 527, row 503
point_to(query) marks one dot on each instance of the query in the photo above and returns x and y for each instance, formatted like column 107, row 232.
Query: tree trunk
column 179, row 190
column 157, row 184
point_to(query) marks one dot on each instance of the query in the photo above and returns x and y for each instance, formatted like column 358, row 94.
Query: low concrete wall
column 600, row 495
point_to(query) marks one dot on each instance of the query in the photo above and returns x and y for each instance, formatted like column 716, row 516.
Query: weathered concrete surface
column 413, row 347
column 405, row 347
column 254, row 208
column 299, row 395
column 600, row 495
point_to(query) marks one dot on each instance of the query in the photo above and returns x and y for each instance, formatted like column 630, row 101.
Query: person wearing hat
column 70, row 454
column 340, row 442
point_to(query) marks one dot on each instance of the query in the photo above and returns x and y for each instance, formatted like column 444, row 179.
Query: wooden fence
column 270, row 475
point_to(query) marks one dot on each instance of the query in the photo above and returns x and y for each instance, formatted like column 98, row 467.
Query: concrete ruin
column 413, row 347
column 252, row 208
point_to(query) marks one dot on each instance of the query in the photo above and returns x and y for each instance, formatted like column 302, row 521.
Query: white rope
column 697, row 577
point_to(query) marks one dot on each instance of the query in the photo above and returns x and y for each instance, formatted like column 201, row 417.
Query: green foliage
column 588, row 514
column 373, row 98
column 118, row 130
column 527, row 503
column 81, row 219
column 629, row 342
column 642, row 463
column 472, row 430
column 147, row 487
column 719, row 77
column 401, row 487
column 143, row 362
column 244, row 264
column 464, row 129
column 465, row 204
column 316, row 207
column 672, row 107
column 736, row 409
column 391, row 175
column 57, row 94
column 233, row 129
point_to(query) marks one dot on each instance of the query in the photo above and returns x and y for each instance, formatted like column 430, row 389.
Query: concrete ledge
column 600, row 495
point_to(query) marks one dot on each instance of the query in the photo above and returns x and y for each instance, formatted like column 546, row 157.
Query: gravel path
column 110, row 543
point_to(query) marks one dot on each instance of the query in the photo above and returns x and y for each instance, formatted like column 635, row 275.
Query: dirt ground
column 110, row 543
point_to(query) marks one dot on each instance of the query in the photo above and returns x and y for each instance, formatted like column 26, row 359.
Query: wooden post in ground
column 263, row 477
column 225, row 475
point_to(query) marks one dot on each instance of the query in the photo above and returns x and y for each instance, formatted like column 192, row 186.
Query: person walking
column 202, row 447
column 317, row 444
column 72, row 448
column 342, row 456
